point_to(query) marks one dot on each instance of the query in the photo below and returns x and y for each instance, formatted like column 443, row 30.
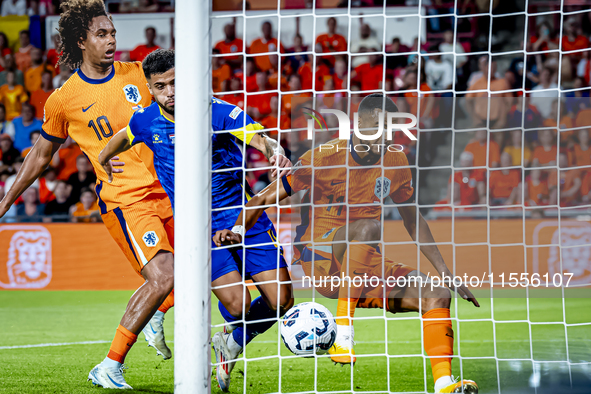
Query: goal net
column 497, row 168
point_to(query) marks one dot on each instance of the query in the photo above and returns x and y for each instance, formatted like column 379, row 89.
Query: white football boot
column 154, row 333
column 225, row 358
column 109, row 378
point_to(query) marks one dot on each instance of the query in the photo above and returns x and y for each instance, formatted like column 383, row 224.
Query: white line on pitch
column 52, row 344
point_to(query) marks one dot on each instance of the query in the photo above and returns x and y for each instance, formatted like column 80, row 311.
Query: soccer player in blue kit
column 261, row 260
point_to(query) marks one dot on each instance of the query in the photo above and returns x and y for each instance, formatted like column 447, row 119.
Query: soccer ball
column 308, row 328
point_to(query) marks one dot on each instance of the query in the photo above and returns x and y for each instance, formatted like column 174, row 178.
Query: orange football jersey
column 91, row 111
column 324, row 173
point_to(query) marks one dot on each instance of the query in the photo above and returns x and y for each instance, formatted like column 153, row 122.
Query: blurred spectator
column 366, row 43
column 426, row 115
column 572, row 40
column 40, row 96
column 529, row 119
column 9, row 153
column 515, row 148
column 47, row 183
column 331, row 41
column 4, row 124
column 34, row 74
column 570, row 183
column 536, row 191
column 12, row 96
column 236, row 98
column 270, row 121
column 340, row 74
column 84, row 177
column 87, row 210
column 4, row 50
column 231, row 44
column 23, row 126
column 565, row 121
column 62, row 77
column 439, row 73
column 251, row 75
column 479, row 147
column 139, row 53
column 582, row 151
column 469, row 184
column 52, row 54
column 65, row 159
column 31, row 210
column 14, row 7
column 297, row 58
column 33, row 136
column 220, row 71
column 258, row 105
column 23, row 55
column 540, row 96
column 274, row 74
column 545, row 154
column 545, row 39
column 266, row 43
column 369, row 75
column 448, row 46
column 478, row 103
column 59, row 208
column 504, row 184
column 11, row 66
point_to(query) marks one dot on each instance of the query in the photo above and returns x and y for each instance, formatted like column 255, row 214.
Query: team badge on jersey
column 156, row 139
column 132, row 93
column 150, row 239
column 382, row 188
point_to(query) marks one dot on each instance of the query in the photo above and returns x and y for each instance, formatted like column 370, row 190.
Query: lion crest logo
column 29, row 260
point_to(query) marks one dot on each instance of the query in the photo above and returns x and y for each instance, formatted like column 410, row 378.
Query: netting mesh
column 500, row 172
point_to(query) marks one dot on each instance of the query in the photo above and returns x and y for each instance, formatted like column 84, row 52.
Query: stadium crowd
column 261, row 76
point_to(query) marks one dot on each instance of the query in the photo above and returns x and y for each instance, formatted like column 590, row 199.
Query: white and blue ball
column 308, row 328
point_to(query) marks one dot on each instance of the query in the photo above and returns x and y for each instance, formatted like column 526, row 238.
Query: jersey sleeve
column 301, row 177
column 286, row 181
column 134, row 128
column 233, row 119
column 55, row 125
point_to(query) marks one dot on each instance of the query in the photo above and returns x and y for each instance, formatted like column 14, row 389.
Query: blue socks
column 259, row 310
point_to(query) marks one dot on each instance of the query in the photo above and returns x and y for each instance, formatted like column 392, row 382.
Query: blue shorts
column 258, row 258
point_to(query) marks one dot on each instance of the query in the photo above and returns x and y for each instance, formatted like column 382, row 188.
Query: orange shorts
column 318, row 261
column 142, row 229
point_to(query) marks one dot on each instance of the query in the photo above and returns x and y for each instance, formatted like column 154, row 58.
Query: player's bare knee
column 237, row 308
column 439, row 297
column 367, row 230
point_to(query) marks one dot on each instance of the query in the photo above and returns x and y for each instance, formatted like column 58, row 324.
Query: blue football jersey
column 150, row 126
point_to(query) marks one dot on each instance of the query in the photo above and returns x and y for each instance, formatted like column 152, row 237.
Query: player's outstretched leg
column 438, row 335
column 234, row 304
column 154, row 330
column 159, row 275
column 356, row 259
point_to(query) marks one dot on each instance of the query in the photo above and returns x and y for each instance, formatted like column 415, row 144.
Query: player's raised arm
column 118, row 144
column 275, row 192
column 273, row 151
column 35, row 163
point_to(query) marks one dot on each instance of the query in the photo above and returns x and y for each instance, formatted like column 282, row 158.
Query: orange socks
column 439, row 341
column 122, row 343
column 356, row 260
column 168, row 303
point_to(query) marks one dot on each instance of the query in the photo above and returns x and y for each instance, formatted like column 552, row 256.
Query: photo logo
column 345, row 124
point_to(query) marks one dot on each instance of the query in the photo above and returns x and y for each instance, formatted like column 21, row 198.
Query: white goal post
column 192, row 367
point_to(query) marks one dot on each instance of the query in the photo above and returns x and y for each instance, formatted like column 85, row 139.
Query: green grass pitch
column 46, row 317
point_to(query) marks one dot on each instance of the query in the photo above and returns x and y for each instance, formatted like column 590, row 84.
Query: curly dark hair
column 158, row 62
column 74, row 22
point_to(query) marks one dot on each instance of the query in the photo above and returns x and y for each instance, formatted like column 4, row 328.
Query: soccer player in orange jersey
column 349, row 208
column 96, row 102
